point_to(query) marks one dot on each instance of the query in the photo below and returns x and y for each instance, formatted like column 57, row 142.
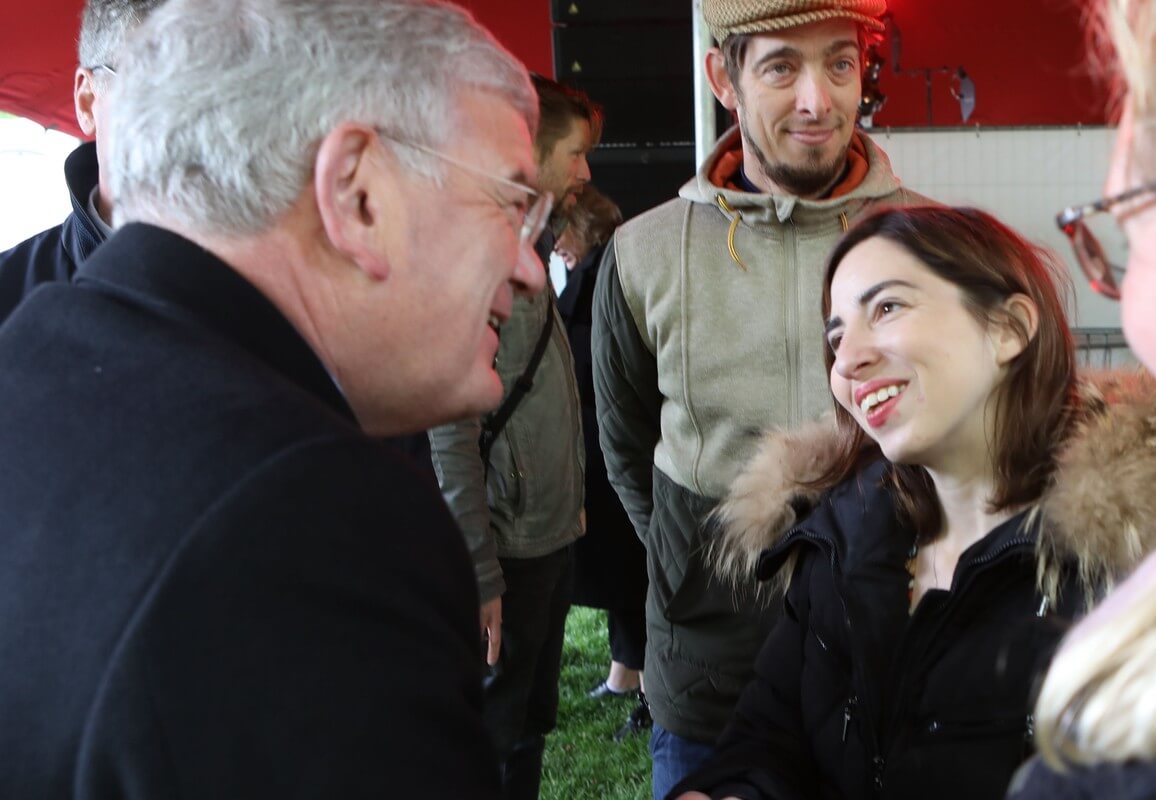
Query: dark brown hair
column 1037, row 402
column 558, row 107
column 593, row 218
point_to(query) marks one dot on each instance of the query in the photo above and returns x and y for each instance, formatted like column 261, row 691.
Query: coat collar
column 176, row 279
column 880, row 182
column 1098, row 515
column 80, row 234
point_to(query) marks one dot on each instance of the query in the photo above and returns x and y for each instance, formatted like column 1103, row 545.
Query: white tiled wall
column 1023, row 176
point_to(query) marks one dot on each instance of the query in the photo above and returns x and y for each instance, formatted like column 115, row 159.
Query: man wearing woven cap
column 707, row 330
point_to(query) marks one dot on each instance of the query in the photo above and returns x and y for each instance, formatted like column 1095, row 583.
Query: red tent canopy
column 37, row 61
column 38, row 51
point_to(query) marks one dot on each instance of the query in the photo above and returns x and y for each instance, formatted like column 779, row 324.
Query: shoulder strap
column 493, row 423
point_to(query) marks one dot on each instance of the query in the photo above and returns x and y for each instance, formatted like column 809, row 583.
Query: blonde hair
column 1124, row 47
column 1098, row 702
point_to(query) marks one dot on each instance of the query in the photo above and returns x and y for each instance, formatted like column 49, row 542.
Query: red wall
column 1026, row 58
column 523, row 26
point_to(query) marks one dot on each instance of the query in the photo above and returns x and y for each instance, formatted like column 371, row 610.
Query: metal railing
column 1102, row 348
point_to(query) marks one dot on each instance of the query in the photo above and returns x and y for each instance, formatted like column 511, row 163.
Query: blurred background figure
column 513, row 478
column 54, row 254
column 610, row 566
column 1096, row 716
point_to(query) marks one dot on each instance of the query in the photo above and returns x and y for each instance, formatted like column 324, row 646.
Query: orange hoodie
column 725, row 170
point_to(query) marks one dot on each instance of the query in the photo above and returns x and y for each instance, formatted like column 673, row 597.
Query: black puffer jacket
column 855, row 699
column 53, row 255
column 1133, row 780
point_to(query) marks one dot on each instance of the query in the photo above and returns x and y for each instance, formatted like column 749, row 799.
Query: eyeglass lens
column 535, row 219
column 1093, row 261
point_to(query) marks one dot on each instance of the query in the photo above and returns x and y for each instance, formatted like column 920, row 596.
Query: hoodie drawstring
column 736, row 218
column 843, row 221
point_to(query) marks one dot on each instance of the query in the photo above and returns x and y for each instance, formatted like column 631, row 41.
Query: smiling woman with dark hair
column 947, row 535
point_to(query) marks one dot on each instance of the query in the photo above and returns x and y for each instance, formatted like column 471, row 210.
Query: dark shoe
column 639, row 720
column 603, row 690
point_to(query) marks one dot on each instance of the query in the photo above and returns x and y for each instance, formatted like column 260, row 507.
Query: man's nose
column 813, row 94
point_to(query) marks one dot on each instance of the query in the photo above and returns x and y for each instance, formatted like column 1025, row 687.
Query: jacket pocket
column 946, row 729
column 505, row 482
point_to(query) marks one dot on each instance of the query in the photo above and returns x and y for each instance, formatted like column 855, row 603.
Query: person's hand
column 492, row 628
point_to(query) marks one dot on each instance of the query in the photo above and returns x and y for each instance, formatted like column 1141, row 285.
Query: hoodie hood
column 761, row 208
column 1099, row 513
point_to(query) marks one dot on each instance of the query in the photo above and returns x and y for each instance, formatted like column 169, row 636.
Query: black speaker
column 641, row 74
column 638, row 178
column 636, row 59
column 585, row 11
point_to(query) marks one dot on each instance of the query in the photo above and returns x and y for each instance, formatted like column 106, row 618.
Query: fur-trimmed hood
column 1099, row 512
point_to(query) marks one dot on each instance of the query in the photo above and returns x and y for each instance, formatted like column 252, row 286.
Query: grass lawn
column 582, row 759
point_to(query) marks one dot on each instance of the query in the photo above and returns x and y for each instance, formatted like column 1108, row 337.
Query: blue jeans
column 673, row 759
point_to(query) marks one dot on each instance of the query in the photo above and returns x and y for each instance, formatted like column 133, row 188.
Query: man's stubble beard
column 805, row 180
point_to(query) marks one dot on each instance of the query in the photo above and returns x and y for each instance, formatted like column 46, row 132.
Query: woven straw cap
column 725, row 17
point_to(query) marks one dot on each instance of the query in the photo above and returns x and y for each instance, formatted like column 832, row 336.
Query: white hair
column 220, row 105
column 103, row 28
column 1098, row 702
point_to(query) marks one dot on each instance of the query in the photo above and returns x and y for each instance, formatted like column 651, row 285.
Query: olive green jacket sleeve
column 626, row 396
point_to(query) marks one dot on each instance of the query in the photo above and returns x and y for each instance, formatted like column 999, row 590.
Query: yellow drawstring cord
column 843, row 221
column 735, row 219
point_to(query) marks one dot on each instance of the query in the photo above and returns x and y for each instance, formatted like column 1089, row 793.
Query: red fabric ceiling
column 38, row 51
column 37, row 60
column 1042, row 82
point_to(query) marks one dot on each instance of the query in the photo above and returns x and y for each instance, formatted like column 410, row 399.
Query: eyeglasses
column 1103, row 275
column 533, row 218
column 102, row 67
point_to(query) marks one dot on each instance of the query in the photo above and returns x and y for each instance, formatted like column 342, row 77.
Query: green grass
column 582, row 759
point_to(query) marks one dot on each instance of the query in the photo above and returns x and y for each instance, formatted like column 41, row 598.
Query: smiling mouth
column 879, row 396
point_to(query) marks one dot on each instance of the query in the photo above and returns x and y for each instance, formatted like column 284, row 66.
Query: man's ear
column 83, row 98
column 720, row 82
column 351, row 180
column 1013, row 333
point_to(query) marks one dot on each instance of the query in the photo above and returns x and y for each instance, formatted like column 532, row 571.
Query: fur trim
column 1101, row 509
column 766, row 499
column 1100, row 512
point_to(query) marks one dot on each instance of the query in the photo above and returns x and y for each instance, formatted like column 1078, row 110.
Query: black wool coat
column 213, row 584
column 610, row 561
column 854, row 698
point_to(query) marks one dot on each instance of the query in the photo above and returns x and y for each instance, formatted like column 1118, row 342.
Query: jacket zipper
column 872, row 739
column 792, row 317
column 848, row 710
column 948, row 609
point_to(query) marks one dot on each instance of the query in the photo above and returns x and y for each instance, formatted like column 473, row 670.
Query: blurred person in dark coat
column 610, row 560
column 54, row 254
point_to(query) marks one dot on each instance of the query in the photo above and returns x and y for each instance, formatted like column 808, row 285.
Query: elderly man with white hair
column 217, row 582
